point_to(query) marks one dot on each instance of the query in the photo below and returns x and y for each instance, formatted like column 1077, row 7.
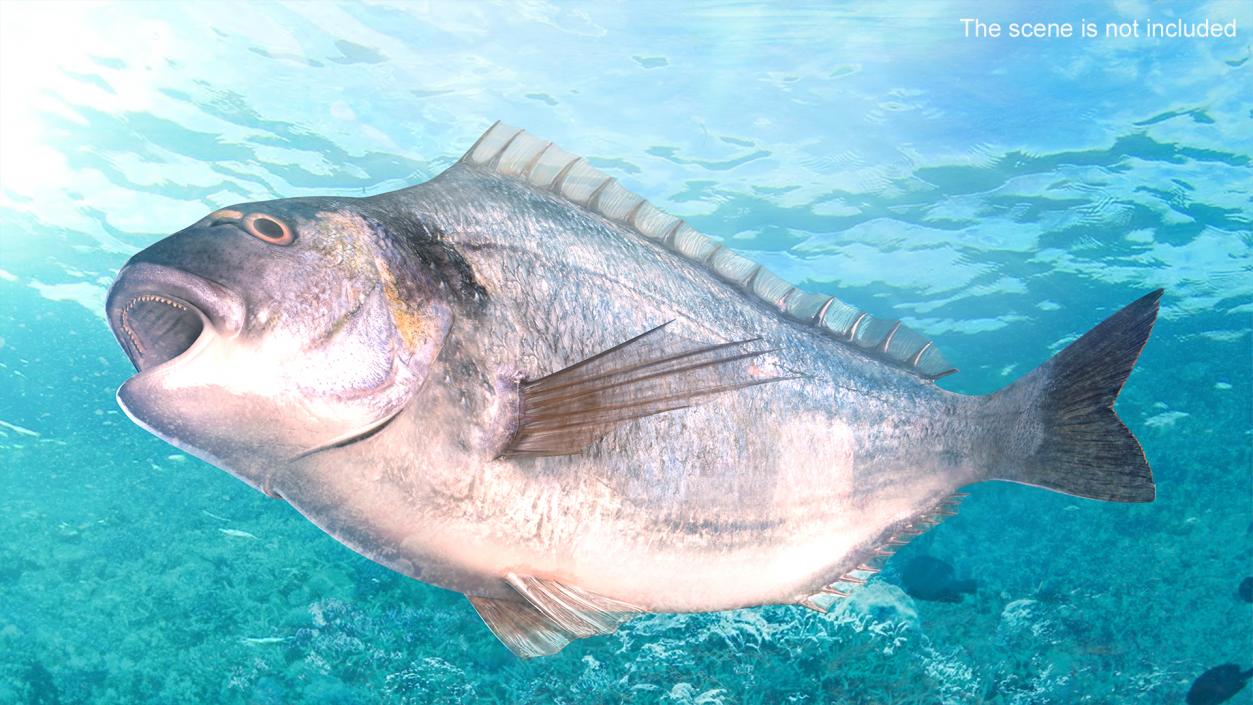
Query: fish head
column 268, row 331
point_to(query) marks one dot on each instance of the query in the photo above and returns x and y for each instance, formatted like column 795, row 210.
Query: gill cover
column 269, row 331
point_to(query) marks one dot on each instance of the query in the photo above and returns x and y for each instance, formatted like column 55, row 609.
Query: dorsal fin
column 514, row 153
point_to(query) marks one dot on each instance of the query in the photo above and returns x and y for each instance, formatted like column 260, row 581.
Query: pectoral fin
column 658, row 371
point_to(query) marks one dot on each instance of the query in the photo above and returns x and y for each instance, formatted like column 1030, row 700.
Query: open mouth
column 158, row 313
column 156, row 329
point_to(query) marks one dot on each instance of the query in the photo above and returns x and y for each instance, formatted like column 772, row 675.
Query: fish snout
column 158, row 313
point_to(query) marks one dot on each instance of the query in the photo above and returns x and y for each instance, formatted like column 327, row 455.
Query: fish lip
column 215, row 308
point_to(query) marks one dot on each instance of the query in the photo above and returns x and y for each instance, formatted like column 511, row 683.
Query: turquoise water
column 999, row 195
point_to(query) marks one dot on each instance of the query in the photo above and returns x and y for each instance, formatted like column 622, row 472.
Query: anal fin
column 658, row 371
column 870, row 560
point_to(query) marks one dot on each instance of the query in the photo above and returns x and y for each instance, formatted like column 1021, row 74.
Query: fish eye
column 268, row 229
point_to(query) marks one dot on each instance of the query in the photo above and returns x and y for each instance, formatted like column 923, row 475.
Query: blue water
column 1000, row 195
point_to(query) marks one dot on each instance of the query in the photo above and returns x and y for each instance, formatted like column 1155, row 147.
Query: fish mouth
column 158, row 328
column 158, row 314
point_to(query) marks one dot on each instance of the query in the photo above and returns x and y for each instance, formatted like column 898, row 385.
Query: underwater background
column 1000, row 195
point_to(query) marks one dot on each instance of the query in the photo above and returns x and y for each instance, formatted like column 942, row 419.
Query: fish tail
column 1062, row 433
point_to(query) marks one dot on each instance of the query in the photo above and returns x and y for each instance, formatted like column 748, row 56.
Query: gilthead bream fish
column 523, row 382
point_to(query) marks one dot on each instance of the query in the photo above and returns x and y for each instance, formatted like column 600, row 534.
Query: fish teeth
column 155, row 299
column 126, row 315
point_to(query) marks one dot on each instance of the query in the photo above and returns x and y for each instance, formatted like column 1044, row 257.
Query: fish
column 929, row 578
column 523, row 382
column 1218, row 685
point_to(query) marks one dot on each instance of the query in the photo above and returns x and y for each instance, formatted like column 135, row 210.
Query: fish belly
column 748, row 500
column 747, row 514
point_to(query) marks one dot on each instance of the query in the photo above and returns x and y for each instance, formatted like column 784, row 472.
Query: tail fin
column 1072, row 440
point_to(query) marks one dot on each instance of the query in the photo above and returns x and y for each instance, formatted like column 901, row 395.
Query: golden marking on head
column 356, row 251
column 226, row 214
column 345, row 241
column 410, row 323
